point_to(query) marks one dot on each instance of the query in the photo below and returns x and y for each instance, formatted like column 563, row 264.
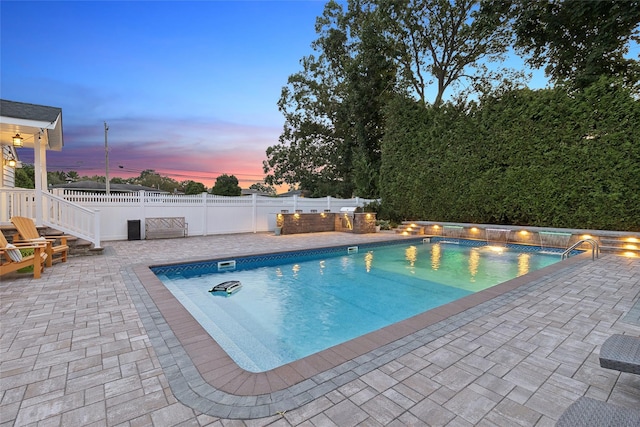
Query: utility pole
column 106, row 158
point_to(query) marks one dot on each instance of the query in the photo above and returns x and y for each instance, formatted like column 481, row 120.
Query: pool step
column 410, row 230
column 620, row 246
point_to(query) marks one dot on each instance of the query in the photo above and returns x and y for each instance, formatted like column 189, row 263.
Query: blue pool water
column 297, row 304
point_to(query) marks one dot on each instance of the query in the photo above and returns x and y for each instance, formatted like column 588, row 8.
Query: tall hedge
column 540, row 158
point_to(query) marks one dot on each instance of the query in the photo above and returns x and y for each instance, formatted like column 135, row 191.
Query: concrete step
column 77, row 246
column 621, row 246
column 409, row 230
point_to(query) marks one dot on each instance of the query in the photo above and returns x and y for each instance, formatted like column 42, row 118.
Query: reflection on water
column 368, row 260
column 474, row 262
column 523, row 263
column 435, row 256
column 411, row 255
column 295, row 269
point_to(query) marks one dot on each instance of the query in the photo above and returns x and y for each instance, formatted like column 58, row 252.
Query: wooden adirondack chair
column 29, row 233
column 8, row 264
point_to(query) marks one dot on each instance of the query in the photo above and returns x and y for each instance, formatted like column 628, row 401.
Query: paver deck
column 95, row 342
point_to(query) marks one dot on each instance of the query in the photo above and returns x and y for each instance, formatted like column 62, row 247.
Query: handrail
column 71, row 218
column 595, row 248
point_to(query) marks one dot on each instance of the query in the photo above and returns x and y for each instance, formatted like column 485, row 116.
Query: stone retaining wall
column 296, row 223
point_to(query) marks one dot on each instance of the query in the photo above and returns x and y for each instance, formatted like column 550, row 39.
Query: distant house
column 299, row 193
column 100, row 187
column 250, row 191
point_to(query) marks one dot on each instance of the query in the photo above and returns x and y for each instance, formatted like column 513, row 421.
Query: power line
column 172, row 172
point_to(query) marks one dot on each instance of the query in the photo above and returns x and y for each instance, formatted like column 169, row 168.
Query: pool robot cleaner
column 229, row 287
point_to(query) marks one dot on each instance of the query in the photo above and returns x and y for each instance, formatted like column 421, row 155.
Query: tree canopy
column 434, row 52
column 226, row 185
column 403, row 99
column 147, row 178
column 365, row 55
column 263, row 188
column 543, row 158
column 579, row 41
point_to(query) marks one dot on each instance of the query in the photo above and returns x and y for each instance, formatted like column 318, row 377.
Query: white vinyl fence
column 205, row 213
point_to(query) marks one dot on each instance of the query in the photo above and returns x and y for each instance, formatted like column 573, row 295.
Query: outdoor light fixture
column 11, row 163
column 17, row 140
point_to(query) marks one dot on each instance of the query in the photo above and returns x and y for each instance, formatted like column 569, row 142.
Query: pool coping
column 204, row 377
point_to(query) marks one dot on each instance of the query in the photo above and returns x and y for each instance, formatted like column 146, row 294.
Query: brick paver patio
column 87, row 344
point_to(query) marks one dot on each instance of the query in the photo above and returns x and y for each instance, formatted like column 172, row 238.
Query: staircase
column 620, row 245
column 410, row 230
column 77, row 246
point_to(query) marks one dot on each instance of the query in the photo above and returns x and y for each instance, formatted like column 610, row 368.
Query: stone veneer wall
column 297, row 223
column 364, row 223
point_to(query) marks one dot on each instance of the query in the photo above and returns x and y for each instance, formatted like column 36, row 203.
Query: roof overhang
column 31, row 121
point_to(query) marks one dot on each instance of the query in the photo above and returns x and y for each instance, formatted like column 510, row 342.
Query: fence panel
column 205, row 213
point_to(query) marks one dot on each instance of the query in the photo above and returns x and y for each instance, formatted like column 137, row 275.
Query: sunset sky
column 188, row 89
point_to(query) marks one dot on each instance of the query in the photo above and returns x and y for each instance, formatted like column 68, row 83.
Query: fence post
column 96, row 229
column 254, row 214
column 204, row 214
column 142, row 214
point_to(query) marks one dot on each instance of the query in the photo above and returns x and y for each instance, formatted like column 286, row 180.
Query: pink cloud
column 182, row 148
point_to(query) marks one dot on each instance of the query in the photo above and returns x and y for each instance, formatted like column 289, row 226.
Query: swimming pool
column 295, row 304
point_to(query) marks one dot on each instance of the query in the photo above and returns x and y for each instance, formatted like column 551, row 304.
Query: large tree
column 192, row 187
column 448, row 43
column 375, row 49
column 579, row 41
column 151, row 178
column 330, row 144
column 226, row 185
column 25, row 176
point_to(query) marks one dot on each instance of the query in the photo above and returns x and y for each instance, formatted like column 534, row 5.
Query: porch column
column 40, row 175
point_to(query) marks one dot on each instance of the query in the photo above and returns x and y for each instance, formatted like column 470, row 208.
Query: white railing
column 58, row 213
column 16, row 202
column 97, row 216
column 71, row 218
